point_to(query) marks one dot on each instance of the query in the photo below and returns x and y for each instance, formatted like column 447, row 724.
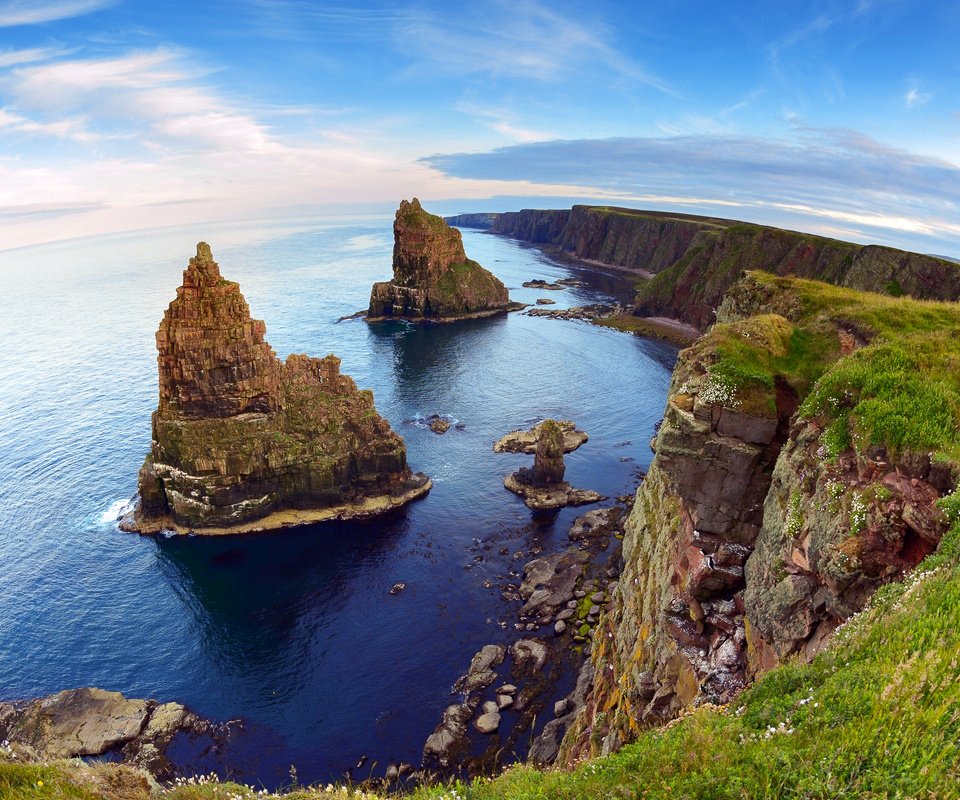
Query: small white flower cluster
column 784, row 728
column 858, row 515
column 197, row 780
column 719, row 390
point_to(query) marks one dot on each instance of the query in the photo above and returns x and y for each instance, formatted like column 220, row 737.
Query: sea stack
column 243, row 441
column 543, row 487
column 432, row 277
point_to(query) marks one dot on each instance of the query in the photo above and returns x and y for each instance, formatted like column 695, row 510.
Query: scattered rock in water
column 448, row 737
column 526, row 441
column 539, row 283
column 507, row 688
column 545, row 747
column 548, row 582
column 529, row 656
column 561, row 707
column 504, row 701
column 582, row 313
column 398, row 587
column 480, row 674
column 597, row 523
column 488, row 723
column 439, row 425
column 560, row 627
column 597, row 597
column 545, row 301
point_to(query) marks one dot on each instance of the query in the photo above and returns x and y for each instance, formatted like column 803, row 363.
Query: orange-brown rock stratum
column 432, row 277
column 243, row 441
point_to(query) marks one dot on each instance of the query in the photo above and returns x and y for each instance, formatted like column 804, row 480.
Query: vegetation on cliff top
column 877, row 370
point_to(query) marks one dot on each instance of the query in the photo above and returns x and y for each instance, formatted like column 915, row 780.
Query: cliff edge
column 243, row 441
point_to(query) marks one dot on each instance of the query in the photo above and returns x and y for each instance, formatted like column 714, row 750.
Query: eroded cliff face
column 695, row 285
column 695, row 260
column 241, row 439
column 432, row 276
column 642, row 240
column 759, row 528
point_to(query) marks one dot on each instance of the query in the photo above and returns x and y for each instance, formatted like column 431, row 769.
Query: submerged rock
column 432, row 277
column 243, row 441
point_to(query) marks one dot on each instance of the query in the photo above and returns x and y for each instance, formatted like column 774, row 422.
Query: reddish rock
column 242, row 441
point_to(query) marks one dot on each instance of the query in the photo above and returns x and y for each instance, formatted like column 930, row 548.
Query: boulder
column 526, row 441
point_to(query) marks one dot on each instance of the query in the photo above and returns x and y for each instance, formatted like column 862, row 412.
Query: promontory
column 432, row 277
column 243, row 441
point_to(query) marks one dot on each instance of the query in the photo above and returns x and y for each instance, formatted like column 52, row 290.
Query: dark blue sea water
column 295, row 632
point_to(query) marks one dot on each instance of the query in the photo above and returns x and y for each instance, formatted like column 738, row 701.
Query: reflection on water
column 296, row 631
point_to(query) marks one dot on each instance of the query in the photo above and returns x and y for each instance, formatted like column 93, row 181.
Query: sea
column 293, row 634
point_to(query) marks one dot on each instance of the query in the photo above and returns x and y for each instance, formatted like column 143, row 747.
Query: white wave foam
column 116, row 510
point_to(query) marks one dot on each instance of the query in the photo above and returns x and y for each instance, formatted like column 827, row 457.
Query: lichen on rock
column 243, row 441
column 432, row 277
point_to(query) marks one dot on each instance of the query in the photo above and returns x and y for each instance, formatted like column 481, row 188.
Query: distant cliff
column 695, row 260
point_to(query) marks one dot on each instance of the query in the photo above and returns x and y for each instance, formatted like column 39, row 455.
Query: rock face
column 695, row 260
column 93, row 722
column 242, row 441
column 432, row 276
column 749, row 542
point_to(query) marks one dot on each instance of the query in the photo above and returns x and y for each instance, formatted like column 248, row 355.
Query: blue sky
column 836, row 117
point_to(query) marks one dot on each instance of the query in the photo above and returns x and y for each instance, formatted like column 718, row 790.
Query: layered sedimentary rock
column 432, row 276
column 242, row 440
column 757, row 530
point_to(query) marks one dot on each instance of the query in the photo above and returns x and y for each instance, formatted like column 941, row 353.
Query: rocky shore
column 94, row 722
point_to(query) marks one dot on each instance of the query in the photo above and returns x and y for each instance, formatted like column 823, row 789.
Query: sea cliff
column 692, row 261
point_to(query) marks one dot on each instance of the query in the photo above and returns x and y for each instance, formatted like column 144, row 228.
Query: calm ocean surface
column 295, row 632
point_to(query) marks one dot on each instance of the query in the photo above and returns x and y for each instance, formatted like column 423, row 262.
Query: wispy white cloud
column 10, row 58
column 34, row 12
column 914, row 98
column 520, row 39
column 501, row 120
column 815, row 174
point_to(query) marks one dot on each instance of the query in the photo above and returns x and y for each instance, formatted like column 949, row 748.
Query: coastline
column 284, row 518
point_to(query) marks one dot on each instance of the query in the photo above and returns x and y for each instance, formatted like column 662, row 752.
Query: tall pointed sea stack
column 432, row 276
column 244, row 442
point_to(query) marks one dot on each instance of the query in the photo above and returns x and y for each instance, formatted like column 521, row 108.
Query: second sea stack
column 243, row 441
column 432, row 277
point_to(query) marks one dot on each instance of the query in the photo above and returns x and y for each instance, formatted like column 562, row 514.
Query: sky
column 836, row 117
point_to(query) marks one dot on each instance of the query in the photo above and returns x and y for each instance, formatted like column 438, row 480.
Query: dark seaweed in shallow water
column 294, row 632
